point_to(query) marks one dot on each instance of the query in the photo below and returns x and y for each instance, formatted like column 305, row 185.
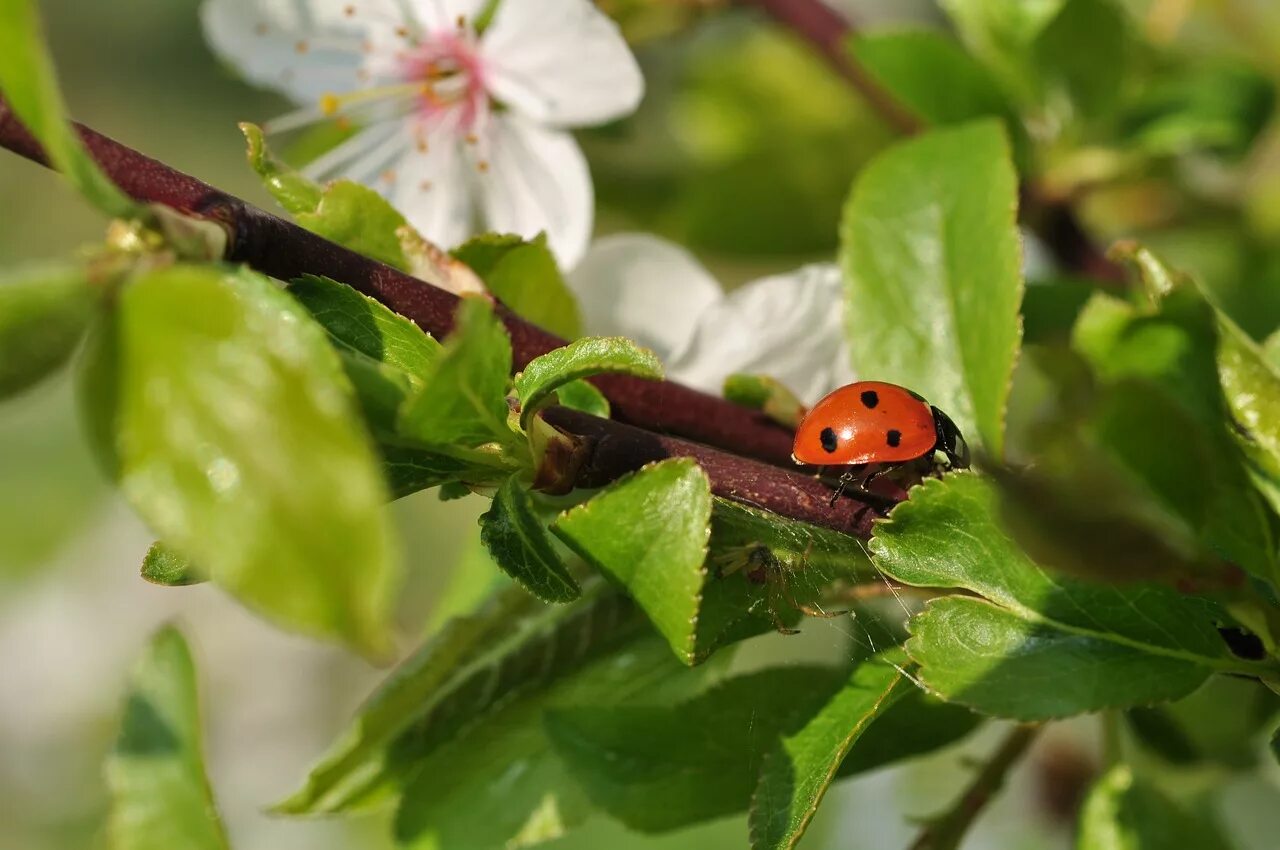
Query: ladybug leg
column 845, row 480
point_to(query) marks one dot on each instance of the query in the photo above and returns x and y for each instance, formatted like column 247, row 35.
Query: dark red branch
column 617, row 449
column 829, row 33
column 284, row 250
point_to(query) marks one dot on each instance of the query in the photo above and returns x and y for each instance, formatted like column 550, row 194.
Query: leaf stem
column 829, row 33
column 948, row 830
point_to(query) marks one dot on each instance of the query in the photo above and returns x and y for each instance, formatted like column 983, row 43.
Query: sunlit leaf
column 1126, row 812
column 464, row 672
column 1100, row 645
column 297, row 194
column 465, row 398
column 365, row 326
column 524, row 276
column 519, row 543
column 165, row 567
column 931, row 254
column 500, row 783
column 44, row 312
column 797, row 771
column 160, row 797
column 766, row 394
column 356, row 217
column 224, row 414
column 580, row 359
column 649, row 532
column 30, row 85
column 661, row 768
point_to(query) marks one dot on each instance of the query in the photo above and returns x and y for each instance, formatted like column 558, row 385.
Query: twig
column 948, row 830
column 284, row 250
column 829, row 33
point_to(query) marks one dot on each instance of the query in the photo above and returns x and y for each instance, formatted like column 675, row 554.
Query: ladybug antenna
column 950, row 441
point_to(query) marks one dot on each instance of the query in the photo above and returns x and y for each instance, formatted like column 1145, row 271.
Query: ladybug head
column 950, row 440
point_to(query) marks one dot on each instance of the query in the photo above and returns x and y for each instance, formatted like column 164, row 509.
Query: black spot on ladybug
column 870, row 398
column 1243, row 644
column 893, row 438
column 829, row 441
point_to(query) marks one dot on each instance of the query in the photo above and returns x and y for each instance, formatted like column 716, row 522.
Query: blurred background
column 743, row 151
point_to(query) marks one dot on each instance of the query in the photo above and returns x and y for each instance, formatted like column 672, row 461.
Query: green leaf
column 160, row 797
column 1001, row 33
column 766, row 394
column 1219, row 724
column 501, row 784
column 931, row 253
column 649, row 533
column 1174, row 350
column 1251, row 387
column 517, row 539
column 226, row 418
column 409, row 470
column 297, row 194
column 662, row 768
column 796, row 773
column 465, row 398
column 916, row 725
column 386, row 357
column 44, row 311
column 30, row 85
column 910, row 63
column 1101, row 645
column 514, row 644
column 356, row 217
column 1214, row 107
column 165, row 567
column 801, row 562
column 381, row 391
column 1093, row 86
column 361, row 324
column 1125, row 812
column 524, row 276
column 580, row 359
column 580, row 395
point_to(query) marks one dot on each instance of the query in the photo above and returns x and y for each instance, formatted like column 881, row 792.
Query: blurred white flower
column 787, row 326
column 462, row 117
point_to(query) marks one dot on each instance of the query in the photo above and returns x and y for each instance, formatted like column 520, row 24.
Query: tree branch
column 284, row 250
column 829, row 33
column 947, row 831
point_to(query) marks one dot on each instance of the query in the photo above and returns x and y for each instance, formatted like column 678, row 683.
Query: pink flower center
column 451, row 72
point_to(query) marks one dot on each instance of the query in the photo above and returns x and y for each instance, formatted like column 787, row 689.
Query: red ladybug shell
column 866, row 422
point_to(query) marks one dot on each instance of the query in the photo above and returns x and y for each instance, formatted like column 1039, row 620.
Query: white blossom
column 787, row 326
column 462, row 118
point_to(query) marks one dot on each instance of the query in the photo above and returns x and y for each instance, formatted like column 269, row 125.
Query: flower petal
column 560, row 62
column 537, row 180
column 789, row 327
column 645, row 288
column 438, row 15
column 304, row 49
column 429, row 186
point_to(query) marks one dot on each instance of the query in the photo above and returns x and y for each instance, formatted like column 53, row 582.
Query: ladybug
column 870, row 427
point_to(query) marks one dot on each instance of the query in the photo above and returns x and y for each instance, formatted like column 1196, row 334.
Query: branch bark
column 829, row 33
column 947, row 831
column 655, row 410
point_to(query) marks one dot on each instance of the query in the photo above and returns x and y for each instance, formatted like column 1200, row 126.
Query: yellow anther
column 330, row 103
